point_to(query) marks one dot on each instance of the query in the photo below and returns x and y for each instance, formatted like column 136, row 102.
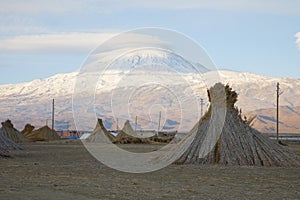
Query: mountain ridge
column 30, row 102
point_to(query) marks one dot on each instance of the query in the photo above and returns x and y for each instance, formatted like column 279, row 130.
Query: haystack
column 8, row 131
column 27, row 129
column 238, row 143
column 161, row 139
column 6, row 145
column 99, row 132
column 43, row 134
column 127, row 130
column 128, row 136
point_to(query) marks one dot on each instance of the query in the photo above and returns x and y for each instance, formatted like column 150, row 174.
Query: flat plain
column 65, row 170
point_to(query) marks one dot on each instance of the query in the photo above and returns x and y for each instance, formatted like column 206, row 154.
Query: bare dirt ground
column 68, row 171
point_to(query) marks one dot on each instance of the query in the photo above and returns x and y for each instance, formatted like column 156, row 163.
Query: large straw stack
column 239, row 143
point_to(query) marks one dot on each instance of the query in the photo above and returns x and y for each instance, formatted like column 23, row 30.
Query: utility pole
column 135, row 123
column 277, row 111
column 159, row 117
column 52, row 115
column 201, row 103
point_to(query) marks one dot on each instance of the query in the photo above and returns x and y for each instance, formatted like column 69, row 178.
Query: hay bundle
column 239, row 143
column 6, row 145
column 43, row 134
column 8, row 131
column 98, row 134
column 161, row 139
column 128, row 136
column 27, row 129
column 127, row 129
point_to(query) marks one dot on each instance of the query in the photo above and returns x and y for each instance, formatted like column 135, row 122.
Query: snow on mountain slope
column 256, row 91
column 57, row 84
column 30, row 102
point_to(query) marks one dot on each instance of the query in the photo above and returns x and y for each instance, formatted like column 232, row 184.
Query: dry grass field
column 67, row 171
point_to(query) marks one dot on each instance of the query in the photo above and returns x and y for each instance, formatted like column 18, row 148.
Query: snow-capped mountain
column 141, row 90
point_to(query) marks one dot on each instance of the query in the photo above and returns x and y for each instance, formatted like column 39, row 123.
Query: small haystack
column 127, row 129
column 97, row 134
column 128, row 136
column 239, row 143
column 43, row 134
column 161, row 139
column 6, row 145
column 8, row 131
column 27, row 129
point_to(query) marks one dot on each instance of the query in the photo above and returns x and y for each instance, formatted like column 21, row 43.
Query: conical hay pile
column 238, row 144
column 27, row 129
column 126, row 130
column 99, row 132
column 43, row 134
column 6, row 145
column 11, row 133
column 127, row 136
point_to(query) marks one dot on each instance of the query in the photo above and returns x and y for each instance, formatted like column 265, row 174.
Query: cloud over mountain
column 60, row 42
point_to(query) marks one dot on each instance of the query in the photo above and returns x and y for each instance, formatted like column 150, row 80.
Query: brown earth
column 60, row 170
column 265, row 120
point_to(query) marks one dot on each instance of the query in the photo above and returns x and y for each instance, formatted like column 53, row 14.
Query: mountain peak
column 33, row 99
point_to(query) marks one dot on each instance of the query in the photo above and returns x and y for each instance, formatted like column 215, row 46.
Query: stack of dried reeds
column 42, row 134
column 238, row 143
column 6, row 145
column 99, row 133
column 8, row 131
column 128, row 136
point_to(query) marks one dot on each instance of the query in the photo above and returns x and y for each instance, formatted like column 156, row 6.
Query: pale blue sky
column 42, row 38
